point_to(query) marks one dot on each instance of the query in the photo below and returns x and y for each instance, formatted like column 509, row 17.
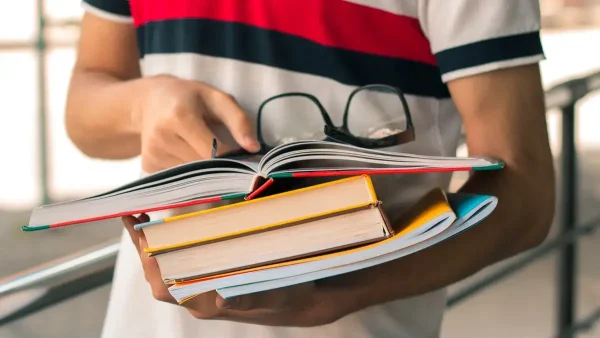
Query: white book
column 235, row 177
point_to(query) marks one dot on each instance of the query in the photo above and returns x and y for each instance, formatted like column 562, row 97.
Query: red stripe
column 134, row 212
column 334, row 23
column 260, row 189
column 326, row 173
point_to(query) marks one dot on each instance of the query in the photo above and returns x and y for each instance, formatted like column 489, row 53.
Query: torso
column 325, row 48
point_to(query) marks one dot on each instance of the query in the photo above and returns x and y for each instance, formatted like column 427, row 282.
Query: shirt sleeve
column 113, row 10
column 471, row 37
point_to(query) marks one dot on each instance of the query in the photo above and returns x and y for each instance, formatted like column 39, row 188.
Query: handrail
column 465, row 293
column 55, row 281
column 64, row 278
column 569, row 92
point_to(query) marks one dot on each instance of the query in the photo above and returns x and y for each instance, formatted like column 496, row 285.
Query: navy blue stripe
column 275, row 49
column 487, row 51
column 119, row 7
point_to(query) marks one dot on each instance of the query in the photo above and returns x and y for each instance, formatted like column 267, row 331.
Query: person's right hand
column 174, row 118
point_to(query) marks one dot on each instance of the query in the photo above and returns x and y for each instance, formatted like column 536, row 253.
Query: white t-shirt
column 255, row 49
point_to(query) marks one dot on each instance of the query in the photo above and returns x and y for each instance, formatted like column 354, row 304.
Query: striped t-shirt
column 254, row 49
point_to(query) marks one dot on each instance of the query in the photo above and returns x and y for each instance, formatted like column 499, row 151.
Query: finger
column 193, row 130
column 144, row 218
column 149, row 264
column 152, row 274
column 203, row 306
column 130, row 222
column 169, row 142
column 224, row 107
column 279, row 300
column 183, row 150
column 157, row 156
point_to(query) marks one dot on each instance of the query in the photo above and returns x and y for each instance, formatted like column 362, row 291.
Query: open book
column 441, row 218
column 228, row 178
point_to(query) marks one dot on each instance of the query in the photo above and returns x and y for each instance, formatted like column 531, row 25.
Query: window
column 70, row 173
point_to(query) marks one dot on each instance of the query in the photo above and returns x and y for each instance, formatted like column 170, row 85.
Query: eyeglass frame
column 341, row 133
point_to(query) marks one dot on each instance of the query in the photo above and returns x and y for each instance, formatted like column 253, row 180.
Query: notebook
column 219, row 179
column 427, row 220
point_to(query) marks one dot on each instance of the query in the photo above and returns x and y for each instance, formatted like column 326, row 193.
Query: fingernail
column 252, row 143
column 230, row 303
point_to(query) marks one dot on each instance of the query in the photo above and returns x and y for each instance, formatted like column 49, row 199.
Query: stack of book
column 265, row 240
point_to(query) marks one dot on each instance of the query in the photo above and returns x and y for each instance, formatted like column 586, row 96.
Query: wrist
column 139, row 89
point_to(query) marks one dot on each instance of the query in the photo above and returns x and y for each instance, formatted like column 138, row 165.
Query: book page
column 322, row 155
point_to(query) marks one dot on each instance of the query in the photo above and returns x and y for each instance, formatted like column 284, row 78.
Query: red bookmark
column 260, row 189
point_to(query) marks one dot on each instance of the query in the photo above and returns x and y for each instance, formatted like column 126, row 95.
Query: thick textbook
column 219, row 179
column 306, row 239
column 285, row 209
column 326, row 217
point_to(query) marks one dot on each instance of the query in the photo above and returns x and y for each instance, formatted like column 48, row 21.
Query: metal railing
column 74, row 275
column 49, row 284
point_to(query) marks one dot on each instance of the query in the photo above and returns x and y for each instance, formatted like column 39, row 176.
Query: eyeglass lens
column 291, row 118
column 375, row 112
column 372, row 112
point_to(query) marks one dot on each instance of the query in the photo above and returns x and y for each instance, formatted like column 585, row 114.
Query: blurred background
column 39, row 164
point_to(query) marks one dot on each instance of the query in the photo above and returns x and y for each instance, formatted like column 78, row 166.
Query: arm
column 488, row 56
column 504, row 117
column 104, row 81
column 114, row 113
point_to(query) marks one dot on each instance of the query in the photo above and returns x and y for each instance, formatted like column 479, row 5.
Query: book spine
column 386, row 221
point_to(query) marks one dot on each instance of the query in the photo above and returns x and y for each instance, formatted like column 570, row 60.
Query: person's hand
column 174, row 118
column 300, row 305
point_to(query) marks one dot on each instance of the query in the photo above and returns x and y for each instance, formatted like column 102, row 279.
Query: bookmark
column 260, row 189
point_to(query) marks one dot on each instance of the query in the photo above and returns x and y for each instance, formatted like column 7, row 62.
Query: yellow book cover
column 368, row 202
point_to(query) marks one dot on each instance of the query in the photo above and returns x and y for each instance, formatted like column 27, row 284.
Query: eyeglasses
column 375, row 116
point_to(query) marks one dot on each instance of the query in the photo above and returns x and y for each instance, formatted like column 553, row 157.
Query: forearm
column 517, row 224
column 508, row 125
column 98, row 114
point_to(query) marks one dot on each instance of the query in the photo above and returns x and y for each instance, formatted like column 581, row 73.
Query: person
column 161, row 79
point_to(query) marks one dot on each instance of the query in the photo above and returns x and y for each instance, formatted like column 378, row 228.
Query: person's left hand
column 299, row 305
